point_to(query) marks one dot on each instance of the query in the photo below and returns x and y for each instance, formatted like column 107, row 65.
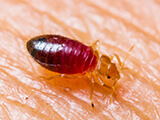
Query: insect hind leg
column 63, row 76
column 52, row 77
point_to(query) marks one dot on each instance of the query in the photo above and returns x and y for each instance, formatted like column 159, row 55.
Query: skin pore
column 116, row 24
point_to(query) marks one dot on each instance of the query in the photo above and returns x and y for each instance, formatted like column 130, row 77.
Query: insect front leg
column 117, row 57
column 91, row 95
column 98, row 78
column 113, row 89
column 121, row 64
column 95, row 77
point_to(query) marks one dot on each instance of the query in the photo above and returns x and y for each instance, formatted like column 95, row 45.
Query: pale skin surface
column 117, row 25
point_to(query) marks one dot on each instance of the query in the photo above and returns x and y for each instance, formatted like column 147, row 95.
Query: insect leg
column 64, row 76
column 121, row 64
column 90, row 76
column 100, row 81
column 91, row 95
column 72, row 76
column 117, row 57
column 96, row 45
column 113, row 89
column 50, row 78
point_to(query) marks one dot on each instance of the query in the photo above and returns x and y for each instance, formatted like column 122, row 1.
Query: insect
column 67, row 57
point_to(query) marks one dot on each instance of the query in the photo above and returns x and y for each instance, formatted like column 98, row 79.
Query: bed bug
column 68, row 57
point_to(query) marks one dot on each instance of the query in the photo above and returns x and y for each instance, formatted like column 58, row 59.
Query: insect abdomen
column 61, row 54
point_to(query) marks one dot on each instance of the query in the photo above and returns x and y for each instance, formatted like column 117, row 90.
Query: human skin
column 25, row 91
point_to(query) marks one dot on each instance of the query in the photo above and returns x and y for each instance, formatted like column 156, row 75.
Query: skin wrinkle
column 48, row 107
column 86, row 104
column 15, row 67
column 130, row 104
column 6, row 111
column 17, row 103
column 75, row 114
column 64, row 25
column 125, row 22
column 31, row 93
column 155, row 86
column 120, row 98
column 68, row 102
column 143, row 74
column 156, row 109
column 10, row 28
column 80, row 101
column 109, row 110
column 121, row 103
column 110, row 12
column 14, row 78
column 140, row 76
column 139, row 113
column 54, row 19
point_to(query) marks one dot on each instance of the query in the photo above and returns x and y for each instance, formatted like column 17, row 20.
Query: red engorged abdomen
column 61, row 54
